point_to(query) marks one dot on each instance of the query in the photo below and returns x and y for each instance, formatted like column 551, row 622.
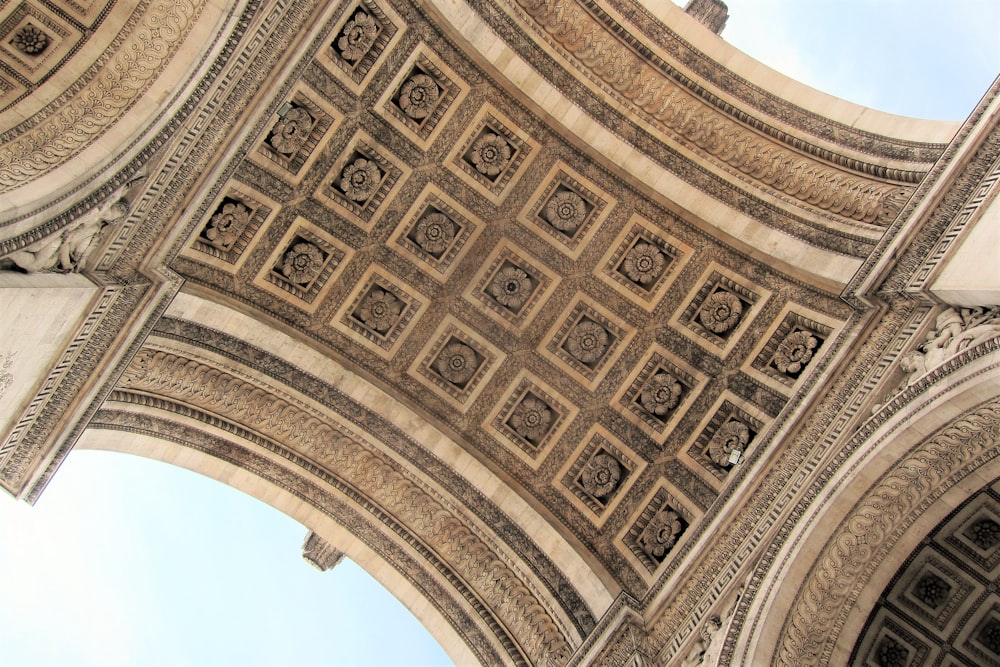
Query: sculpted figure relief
column 68, row 249
column 954, row 330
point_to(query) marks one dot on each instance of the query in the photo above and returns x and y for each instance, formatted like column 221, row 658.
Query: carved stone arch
column 917, row 458
column 334, row 449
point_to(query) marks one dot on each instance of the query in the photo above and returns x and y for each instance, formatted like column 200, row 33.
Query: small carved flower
column 531, row 418
column 358, row 37
column 643, row 263
column 601, row 474
column 418, row 96
column 733, row 435
column 226, row 226
column 721, row 311
column 891, row 653
column 795, row 351
column 291, row 132
column 434, row 233
column 660, row 534
column 30, row 40
column 490, row 154
column 457, row 363
column 661, row 394
column 302, row 263
column 380, row 310
column 932, row 590
column 511, row 287
column 587, row 341
column 360, row 179
column 566, row 211
column 984, row 533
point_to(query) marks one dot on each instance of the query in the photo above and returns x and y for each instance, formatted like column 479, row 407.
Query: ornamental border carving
column 455, row 608
column 603, row 56
column 93, row 109
column 875, row 523
column 167, row 377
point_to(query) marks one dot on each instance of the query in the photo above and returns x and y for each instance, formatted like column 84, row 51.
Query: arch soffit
column 917, row 459
column 453, row 507
column 322, row 511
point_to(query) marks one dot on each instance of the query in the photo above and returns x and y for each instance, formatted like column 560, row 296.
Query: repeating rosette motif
column 360, row 179
column 490, row 154
column 531, row 419
column 380, row 310
column 731, row 436
column 587, row 342
column 721, row 312
column 511, row 287
column 434, row 233
column 418, row 96
column 661, row 394
column 566, row 211
column 795, row 351
column 601, row 475
column 358, row 37
column 225, row 227
column 292, row 131
column 457, row 363
column 660, row 534
column 643, row 263
column 302, row 263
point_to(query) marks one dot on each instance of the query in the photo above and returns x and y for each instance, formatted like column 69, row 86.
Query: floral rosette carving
column 566, row 211
column 302, row 263
column 733, row 435
column 660, row 534
column 434, row 233
column 511, row 287
column 984, row 533
column 721, row 312
column 601, row 475
column 225, row 227
column 30, row 40
column 643, row 263
column 418, row 96
column 358, row 37
column 291, row 131
column 587, row 342
column 457, row 363
column 380, row 310
column 661, row 394
column 360, row 179
column 490, row 154
column 932, row 590
column 795, row 351
column 531, row 419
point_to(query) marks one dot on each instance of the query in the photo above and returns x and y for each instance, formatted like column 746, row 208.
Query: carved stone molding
column 133, row 66
column 860, row 543
column 518, row 603
column 843, row 190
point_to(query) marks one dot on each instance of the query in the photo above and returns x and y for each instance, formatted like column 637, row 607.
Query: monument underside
column 578, row 339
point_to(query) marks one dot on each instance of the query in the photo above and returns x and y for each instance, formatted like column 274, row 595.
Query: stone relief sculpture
column 68, row 249
column 955, row 329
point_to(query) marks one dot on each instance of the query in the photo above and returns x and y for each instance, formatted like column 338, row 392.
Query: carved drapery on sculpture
column 784, row 169
column 877, row 522
column 955, row 329
column 514, row 600
column 69, row 248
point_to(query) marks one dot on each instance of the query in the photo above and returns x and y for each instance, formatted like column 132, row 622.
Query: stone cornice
column 165, row 379
column 745, row 146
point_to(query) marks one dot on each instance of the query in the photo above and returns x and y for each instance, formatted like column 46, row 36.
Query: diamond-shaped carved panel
column 643, row 261
column 379, row 312
column 567, row 209
column 301, row 267
column 725, row 436
column 492, row 154
column 366, row 30
column 586, row 340
column 33, row 40
column 599, row 473
column 456, row 363
column 422, row 97
column 659, row 395
column 656, row 530
column 230, row 226
column 531, row 419
column 510, row 286
column 791, row 347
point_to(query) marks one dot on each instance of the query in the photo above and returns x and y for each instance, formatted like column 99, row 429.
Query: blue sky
column 125, row 561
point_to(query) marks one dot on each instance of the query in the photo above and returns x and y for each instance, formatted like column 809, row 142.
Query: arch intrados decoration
column 915, row 465
column 525, row 592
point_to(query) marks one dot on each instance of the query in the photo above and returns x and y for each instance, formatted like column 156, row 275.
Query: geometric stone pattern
column 944, row 602
column 551, row 317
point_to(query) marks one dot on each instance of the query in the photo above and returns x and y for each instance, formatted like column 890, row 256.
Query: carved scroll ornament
column 862, row 541
column 428, row 516
column 594, row 47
